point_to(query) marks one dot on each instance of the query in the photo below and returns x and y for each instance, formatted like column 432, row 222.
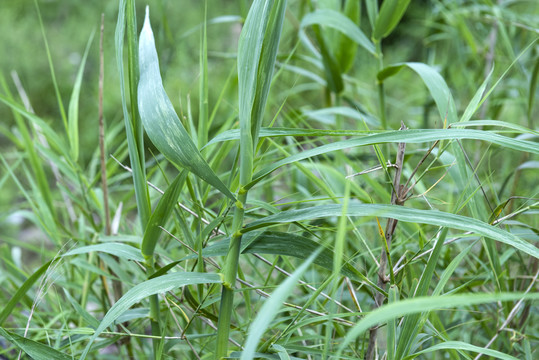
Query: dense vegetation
column 324, row 180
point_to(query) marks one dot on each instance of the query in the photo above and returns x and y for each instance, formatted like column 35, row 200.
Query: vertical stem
column 381, row 93
column 230, row 272
column 385, row 255
column 155, row 324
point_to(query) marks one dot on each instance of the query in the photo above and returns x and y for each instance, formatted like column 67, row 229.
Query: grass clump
column 316, row 180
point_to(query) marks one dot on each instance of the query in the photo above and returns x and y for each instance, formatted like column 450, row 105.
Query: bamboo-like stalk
column 257, row 52
column 230, row 272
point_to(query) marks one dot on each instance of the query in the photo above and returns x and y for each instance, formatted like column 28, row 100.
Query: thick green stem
column 230, row 273
column 154, row 315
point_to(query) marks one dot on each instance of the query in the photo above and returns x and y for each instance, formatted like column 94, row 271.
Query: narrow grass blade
column 56, row 142
column 160, row 215
column 459, row 345
column 203, row 119
column 532, row 91
column 392, row 324
column 337, row 21
column 406, row 136
column 281, row 351
column 73, row 109
column 234, row 134
column 476, row 100
column 450, row 269
column 271, row 308
column 120, row 250
column 34, row 349
column 345, row 51
column 518, row 129
column 160, row 121
column 35, row 161
column 285, row 244
column 422, row 304
column 401, row 213
column 145, row 289
column 389, row 16
column 257, row 51
column 8, row 308
column 133, row 128
column 435, row 83
column 88, row 319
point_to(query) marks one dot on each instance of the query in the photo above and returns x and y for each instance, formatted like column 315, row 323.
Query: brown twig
column 397, row 198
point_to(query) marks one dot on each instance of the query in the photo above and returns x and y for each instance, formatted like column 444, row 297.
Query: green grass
column 261, row 199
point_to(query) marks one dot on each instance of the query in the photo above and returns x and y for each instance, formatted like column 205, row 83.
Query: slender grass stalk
column 257, row 52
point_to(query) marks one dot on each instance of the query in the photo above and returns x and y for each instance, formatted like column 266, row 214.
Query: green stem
column 155, row 321
column 230, row 273
column 381, row 93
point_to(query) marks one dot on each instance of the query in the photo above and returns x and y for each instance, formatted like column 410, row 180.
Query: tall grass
column 354, row 181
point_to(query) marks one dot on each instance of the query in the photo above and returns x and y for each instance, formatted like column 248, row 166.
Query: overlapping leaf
column 160, row 120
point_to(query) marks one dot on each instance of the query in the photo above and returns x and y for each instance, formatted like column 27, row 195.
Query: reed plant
column 351, row 181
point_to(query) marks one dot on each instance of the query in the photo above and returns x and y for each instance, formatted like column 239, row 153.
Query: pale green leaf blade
column 234, row 134
column 389, row 16
column 405, row 136
column 143, row 290
column 438, row 90
column 7, row 308
column 73, row 109
column 34, row 349
column 120, row 250
column 422, row 304
column 257, row 51
column 160, row 215
column 476, row 100
column 401, row 213
column 337, row 21
column 160, row 121
column 460, row 345
column 436, row 84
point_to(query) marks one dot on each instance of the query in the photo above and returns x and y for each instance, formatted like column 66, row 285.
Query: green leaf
column 143, row 290
column 401, row 213
column 405, row 136
column 23, row 289
column 133, row 125
column 34, row 349
column 436, row 84
column 459, row 345
column 390, row 14
column 271, row 308
column 120, row 250
column 160, row 121
column 392, row 324
column 345, row 52
column 476, row 100
column 234, row 134
column 286, row 244
column 518, row 129
column 85, row 315
column 257, row 51
column 532, row 91
column 73, row 109
column 337, row 21
column 160, row 215
column 422, row 304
